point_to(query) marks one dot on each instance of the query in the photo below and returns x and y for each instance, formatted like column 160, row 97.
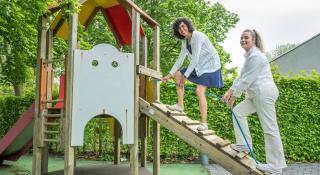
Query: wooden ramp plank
column 189, row 121
column 192, row 128
column 206, row 133
column 241, row 155
column 178, row 118
column 230, row 151
column 215, row 147
column 168, row 112
column 223, row 143
column 214, row 140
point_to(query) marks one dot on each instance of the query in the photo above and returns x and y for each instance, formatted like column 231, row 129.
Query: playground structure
column 98, row 82
column 121, row 94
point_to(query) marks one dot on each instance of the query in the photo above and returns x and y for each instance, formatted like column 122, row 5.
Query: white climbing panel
column 103, row 84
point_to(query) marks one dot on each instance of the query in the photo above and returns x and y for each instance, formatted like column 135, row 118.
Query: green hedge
column 10, row 109
column 297, row 109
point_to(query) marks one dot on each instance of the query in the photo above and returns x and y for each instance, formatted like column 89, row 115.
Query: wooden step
column 51, row 132
column 206, row 133
column 223, row 143
column 51, row 101
column 216, row 141
column 241, row 155
column 51, row 124
column 211, row 139
column 192, row 128
column 53, row 115
column 189, row 121
column 248, row 161
column 169, row 112
column 230, row 151
column 55, row 110
column 179, row 118
column 52, row 140
column 163, row 108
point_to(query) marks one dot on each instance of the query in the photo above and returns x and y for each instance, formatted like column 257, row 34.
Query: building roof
column 317, row 35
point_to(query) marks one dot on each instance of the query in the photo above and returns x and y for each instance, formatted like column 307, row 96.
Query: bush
column 11, row 107
column 298, row 115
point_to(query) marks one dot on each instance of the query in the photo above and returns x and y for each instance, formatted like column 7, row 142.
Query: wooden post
column 143, row 118
column 72, row 44
column 116, row 142
column 49, row 80
column 156, row 97
column 134, row 158
column 37, row 166
column 75, row 150
column 49, row 66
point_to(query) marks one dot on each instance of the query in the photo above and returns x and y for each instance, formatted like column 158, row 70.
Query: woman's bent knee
column 200, row 92
column 239, row 112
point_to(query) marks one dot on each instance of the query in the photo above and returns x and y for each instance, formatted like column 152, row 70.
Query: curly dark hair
column 175, row 26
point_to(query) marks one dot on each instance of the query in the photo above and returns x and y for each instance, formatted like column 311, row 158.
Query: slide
column 19, row 138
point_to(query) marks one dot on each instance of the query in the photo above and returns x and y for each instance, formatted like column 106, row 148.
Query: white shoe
column 202, row 127
column 242, row 148
column 267, row 168
column 175, row 107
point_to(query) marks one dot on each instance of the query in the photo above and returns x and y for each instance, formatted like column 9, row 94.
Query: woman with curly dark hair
column 204, row 68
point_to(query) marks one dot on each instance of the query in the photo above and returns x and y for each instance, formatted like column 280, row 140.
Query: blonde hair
column 257, row 38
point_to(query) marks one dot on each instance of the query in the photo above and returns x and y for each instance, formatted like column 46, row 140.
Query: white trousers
column 264, row 104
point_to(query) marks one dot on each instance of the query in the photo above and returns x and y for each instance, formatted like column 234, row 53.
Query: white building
column 305, row 57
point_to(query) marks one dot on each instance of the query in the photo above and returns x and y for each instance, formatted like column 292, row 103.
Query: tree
column 213, row 20
column 98, row 32
column 18, row 33
column 19, row 21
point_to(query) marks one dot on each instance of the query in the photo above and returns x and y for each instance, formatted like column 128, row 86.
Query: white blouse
column 254, row 73
column 204, row 57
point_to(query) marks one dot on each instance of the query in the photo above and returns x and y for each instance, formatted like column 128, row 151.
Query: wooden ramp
column 207, row 142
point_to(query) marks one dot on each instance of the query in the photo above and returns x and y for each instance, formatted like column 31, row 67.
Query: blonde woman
column 261, row 95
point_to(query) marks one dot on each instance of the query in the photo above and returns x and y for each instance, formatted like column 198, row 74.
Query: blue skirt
column 212, row 79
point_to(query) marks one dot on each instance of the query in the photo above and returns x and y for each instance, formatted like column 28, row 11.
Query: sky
column 278, row 21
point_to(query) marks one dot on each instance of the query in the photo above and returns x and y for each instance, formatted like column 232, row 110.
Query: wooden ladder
column 52, row 120
column 207, row 142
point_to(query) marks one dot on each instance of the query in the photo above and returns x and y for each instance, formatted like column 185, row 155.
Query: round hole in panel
column 94, row 63
column 114, row 64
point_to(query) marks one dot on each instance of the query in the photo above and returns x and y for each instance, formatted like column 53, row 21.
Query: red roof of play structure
column 120, row 23
column 116, row 16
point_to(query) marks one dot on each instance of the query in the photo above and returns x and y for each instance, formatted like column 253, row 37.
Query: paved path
column 292, row 169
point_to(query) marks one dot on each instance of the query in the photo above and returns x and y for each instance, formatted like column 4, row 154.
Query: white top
column 204, row 57
column 254, row 73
